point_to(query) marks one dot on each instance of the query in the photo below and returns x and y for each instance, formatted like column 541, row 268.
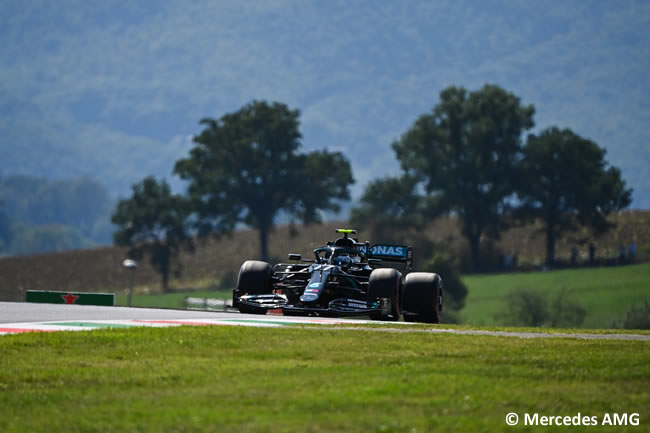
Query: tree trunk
column 472, row 232
column 550, row 245
column 264, row 243
column 475, row 246
column 165, row 280
column 162, row 260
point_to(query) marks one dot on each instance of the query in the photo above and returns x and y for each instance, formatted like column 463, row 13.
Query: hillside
column 116, row 91
column 604, row 294
column 216, row 263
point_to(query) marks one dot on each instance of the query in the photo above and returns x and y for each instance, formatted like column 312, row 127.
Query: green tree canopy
column 465, row 153
column 389, row 202
column 153, row 220
column 245, row 168
column 568, row 184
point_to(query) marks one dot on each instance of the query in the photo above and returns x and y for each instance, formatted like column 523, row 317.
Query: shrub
column 637, row 317
column 526, row 307
column 449, row 316
column 566, row 313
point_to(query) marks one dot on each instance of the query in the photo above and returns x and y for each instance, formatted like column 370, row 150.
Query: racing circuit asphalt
column 18, row 312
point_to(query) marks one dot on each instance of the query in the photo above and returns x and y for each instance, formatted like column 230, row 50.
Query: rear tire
column 386, row 283
column 254, row 279
column 423, row 297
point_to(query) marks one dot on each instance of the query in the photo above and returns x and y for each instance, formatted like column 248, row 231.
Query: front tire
column 386, row 283
column 422, row 297
column 255, row 278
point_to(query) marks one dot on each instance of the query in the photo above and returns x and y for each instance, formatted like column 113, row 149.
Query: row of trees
column 467, row 157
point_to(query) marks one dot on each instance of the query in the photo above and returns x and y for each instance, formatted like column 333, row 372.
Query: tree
column 324, row 179
column 153, row 220
column 466, row 153
column 568, row 184
column 245, row 168
column 389, row 202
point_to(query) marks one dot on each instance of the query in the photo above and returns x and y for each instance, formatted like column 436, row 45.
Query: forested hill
column 115, row 90
column 37, row 215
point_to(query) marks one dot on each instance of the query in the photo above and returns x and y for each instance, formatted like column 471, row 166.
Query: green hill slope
column 606, row 293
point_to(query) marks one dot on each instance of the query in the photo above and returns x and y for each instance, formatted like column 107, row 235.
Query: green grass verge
column 606, row 293
column 518, row 329
column 170, row 300
column 237, row 379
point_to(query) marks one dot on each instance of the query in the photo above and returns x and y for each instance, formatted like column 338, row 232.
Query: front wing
column 337, row 307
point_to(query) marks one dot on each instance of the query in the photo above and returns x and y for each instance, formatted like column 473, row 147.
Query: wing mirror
column 299, row 258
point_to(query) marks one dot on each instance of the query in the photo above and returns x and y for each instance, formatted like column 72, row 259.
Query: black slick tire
column 254, row 279
column 422, row 297
column 386, row 283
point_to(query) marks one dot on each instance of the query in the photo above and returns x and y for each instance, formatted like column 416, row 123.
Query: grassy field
column 236, row 379
column 606, row 293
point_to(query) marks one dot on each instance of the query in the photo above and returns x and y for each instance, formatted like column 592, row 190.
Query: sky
column 116, row 89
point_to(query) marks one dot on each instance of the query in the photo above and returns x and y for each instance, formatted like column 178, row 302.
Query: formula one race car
column 344, row 278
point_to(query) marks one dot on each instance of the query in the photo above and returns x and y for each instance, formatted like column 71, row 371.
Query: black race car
column 344, row 278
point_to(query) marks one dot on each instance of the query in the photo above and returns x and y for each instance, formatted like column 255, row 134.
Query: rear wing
column 388, row 253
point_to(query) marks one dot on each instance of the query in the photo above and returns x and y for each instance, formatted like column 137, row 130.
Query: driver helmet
column 343, row 261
